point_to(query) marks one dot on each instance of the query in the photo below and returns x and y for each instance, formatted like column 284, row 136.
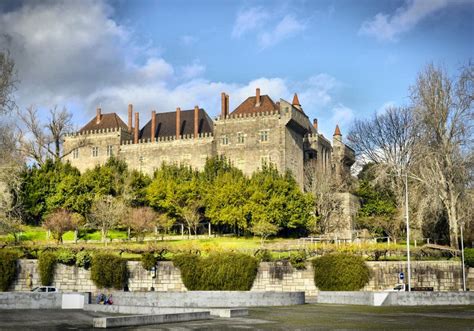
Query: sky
column 346, row 59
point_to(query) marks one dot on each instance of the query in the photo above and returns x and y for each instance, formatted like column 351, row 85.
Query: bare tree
column 327, row 204
column 192, row 216
column 60, row 222
column 444, row 156
column 7, row 83
column 106, row 213
column 164, row 223
column 264, row 229
column 141, row 220
column 41, row 141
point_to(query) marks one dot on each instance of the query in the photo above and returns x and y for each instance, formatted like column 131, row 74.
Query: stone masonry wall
column 271, row 276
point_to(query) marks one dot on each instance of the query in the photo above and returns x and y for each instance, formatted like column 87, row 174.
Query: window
column 240, row 138
column 109, row 150
column 95, row 151
column 263, row 135
column 75, row 153
column 224, row 140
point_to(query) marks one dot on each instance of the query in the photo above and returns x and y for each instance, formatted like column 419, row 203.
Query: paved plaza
column 306, row 317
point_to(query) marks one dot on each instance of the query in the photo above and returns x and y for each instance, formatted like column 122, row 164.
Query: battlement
column 275, row 113
column 93, row 132
column 186, row 137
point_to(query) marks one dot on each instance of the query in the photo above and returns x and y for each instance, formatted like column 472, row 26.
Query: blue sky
column 345, row 59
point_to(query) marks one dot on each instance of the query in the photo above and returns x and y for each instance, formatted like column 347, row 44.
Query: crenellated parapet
column 187, row 137
column 94, row 132
column 275, row 113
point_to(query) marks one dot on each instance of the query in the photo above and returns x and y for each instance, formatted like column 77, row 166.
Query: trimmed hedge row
column 469, row 257
column 8, row 268
column 109, row 271
column 340, row 272
column 217, row 272
column 46, row 265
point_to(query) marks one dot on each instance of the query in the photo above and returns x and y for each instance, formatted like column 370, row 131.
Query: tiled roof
column 107, row 121
column 249, row 106
column 166, row 124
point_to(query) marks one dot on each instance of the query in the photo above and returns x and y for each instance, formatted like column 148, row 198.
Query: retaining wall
column 31, row 300
column 396, row 298
column 271, row 276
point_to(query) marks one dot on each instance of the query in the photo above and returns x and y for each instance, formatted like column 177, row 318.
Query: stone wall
column 278, row 276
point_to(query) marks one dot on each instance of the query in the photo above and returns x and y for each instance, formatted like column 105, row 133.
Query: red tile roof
column 249, row 106
column 107, row 121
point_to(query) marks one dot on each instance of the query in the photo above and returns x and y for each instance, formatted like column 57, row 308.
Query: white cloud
column 248, row 20
column 188, row 40
column 268, row 27
column 288, row 27
column 382, row 109
column 84, row 59
column 342, row 115
column 387, row 27
column 192, row 70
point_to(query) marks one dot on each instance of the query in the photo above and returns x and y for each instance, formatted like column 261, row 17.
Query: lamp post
column 462, row 259
column 408, row 233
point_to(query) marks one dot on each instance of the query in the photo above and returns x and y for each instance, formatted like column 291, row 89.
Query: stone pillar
column 196, row 121
column 178, row 123
column 153, row 125
column 137, row 125
column 130, row 114
column 98, row 115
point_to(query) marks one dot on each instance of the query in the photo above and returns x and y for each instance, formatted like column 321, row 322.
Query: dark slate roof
column 249, row 107
column 166, row 124
column 107, row 121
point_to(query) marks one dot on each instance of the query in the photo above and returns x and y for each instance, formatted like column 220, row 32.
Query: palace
column 259, row 131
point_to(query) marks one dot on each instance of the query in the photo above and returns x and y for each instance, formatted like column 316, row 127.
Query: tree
column 42, row 141
column 263, row 228
column 106, row 213
column 60, row 222
column 192, row 215
column 164, row 223
column 7, row 83
column 445, row 158
column 140, row 220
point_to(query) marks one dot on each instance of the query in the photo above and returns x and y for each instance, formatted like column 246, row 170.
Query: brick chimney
column 130, row 115
column 153, row 125
column 315, row 124
column 196, row 121
column 224, row 105
column 137, row 125
column 227, row 103
column 98, row 115
column 257, row 99
column 178, row 123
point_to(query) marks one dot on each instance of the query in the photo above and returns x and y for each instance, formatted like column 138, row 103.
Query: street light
column 408, row 233
column 462, row 259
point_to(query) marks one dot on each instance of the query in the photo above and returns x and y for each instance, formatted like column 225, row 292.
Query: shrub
column 65, row 256
column 83, row 259
column 263, row 255
column 469, row 257
column 340, row 272
column 298, row 260
column 46, row 265
column 109, row 271
column 8, row 268
column 217, row 272
column 148, row 260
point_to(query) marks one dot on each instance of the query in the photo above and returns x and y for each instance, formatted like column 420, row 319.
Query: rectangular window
column 240, row 138
column 95, row 151
column 75, row 153
column 109, row 150
column 263, row 135
column 224, row 140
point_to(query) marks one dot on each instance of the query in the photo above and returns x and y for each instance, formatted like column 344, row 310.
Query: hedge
column 109, row 271
column 218, row 272
column 8, row 268
column 148, row 260
column 46, row 265
column 340, row 272
column 469, row 257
